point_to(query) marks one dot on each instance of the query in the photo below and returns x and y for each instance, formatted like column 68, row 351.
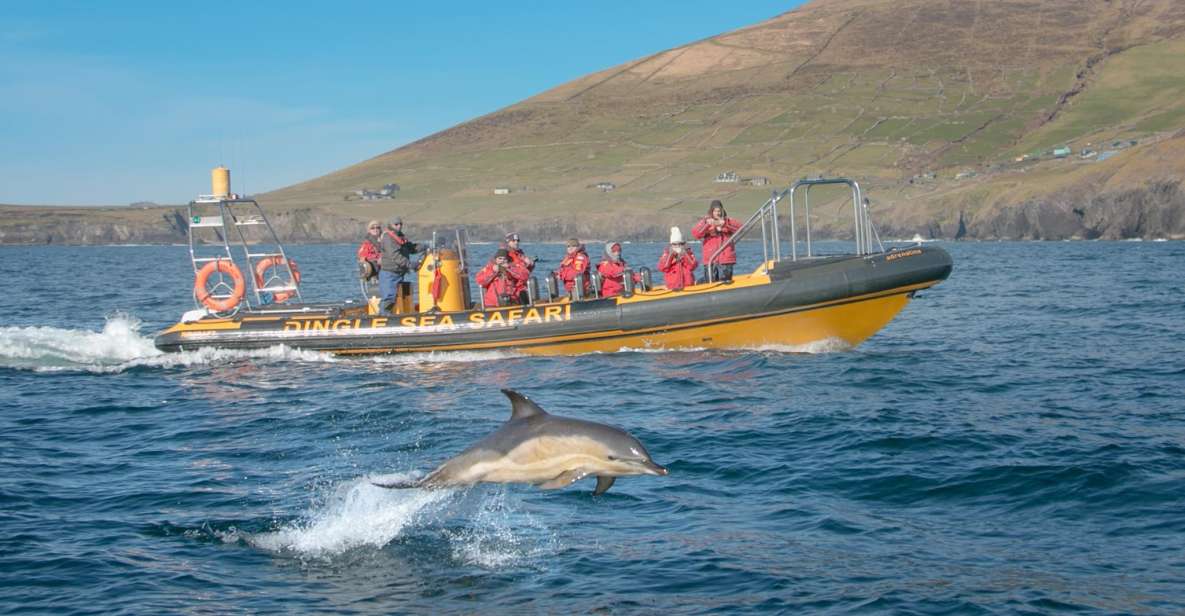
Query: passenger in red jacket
column 677, row 263
column 370, row 252
column 612, row 270
column 520, row 258
column 500, row 278
column 575, row 267
column 714, row 230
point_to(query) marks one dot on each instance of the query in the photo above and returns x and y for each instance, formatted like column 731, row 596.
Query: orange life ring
column 203, row 295
column 264, row 265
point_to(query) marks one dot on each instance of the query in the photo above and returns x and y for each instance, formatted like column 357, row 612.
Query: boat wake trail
column 117, row 348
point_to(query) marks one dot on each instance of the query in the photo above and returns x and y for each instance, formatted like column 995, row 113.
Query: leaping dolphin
column 548, row 451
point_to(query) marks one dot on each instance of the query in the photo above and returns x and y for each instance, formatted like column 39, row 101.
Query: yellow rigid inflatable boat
column 792, row 300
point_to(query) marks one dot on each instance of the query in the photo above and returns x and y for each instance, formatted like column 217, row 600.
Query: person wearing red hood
column 677, row 263
column 500, row 279
column 574, row 267
column 714, row 230
column 612, row 269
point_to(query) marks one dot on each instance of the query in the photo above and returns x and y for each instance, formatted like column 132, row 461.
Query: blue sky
column 110, row 103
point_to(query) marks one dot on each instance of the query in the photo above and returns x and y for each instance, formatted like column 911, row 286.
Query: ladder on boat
column 214, row 224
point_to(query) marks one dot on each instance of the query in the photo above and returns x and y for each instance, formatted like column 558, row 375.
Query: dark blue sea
column 1013, row 443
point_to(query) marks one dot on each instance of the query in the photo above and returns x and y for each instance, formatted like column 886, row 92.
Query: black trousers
column 723, row 272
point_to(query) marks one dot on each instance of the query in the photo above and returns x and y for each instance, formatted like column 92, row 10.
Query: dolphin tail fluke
column 603, row 485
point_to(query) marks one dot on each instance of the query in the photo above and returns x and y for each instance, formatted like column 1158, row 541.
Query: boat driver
column 396, row 262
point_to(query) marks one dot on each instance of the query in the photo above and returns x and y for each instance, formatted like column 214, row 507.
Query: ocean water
column 1014, row 442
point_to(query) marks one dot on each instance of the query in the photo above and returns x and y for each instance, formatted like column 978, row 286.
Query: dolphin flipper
column 563, row 480
column 603, row 485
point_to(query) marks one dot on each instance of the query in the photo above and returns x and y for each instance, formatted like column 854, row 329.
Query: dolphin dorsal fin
column 521, row 406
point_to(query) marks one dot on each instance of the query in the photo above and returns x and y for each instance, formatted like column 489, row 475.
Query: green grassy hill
column 928, row 103
column 904, row 95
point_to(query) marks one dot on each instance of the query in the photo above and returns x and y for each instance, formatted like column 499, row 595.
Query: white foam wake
column 826, row 345
column 443, row 357
column 118, row 347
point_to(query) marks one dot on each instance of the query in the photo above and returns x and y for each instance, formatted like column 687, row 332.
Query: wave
column 826, row 345
column 120, row 346
column 117, row 348
column 443, row 357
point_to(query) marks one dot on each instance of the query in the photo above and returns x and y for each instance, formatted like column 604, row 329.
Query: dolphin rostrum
column 551, row 452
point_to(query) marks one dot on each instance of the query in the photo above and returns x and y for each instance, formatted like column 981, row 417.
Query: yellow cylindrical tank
column 220, row 181
column 452, row 283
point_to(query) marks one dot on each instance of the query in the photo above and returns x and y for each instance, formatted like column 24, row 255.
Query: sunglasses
column 376, row 227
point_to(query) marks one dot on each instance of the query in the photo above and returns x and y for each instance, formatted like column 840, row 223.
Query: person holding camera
column 714, row 230
column 677, row 262
column 500, row 279
column 520, row 258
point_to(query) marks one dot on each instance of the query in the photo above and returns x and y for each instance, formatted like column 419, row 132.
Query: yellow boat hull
column 848, row 324
column 839, row 300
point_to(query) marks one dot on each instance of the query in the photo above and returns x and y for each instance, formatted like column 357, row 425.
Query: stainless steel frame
column 236, row 214
column 767, row 217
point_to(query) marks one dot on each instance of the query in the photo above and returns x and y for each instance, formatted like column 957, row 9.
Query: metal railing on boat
column 766, row 217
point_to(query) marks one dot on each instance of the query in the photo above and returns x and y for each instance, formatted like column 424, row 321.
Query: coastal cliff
column 1154, row 211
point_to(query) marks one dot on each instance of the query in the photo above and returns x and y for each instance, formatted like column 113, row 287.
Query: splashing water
column 501, row 534
column 117, row 348
column 358, row 514
column 52, row 348
column 120, row 347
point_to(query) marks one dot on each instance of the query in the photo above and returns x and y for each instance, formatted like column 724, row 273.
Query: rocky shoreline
column 1154, row 211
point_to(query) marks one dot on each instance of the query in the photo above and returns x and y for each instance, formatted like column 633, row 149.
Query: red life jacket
column 713, row 239
column 678, row 270
column 501, row 286
column 519, row 258
column 370, row 250
column 613, row 277
column 572, row 267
